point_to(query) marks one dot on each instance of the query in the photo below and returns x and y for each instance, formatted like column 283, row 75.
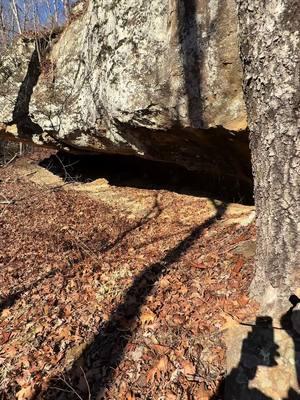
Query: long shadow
column 21, row 115
column 192, row 62
column 154, row 212
column 11, row 299
column 107, row 349
column 260, row 349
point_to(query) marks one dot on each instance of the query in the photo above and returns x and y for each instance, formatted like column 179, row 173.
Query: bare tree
column 67, row 7
column 2, row 26
column 32, row 16
column 19, row 16
column 26, row 17
column 56, row 12
column 15, row 11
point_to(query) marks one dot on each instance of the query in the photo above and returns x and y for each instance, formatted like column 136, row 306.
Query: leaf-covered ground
column 97, row 302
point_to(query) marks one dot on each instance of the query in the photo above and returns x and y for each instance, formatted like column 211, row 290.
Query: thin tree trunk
column 269, row 37
column 16, row 15
column 3, row 26
column 55, row 12
column 26, row 15
column 36, row 25
column 66, row 4
column 13, row 30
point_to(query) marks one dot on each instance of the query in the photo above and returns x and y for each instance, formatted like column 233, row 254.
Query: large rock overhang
column 161, row 80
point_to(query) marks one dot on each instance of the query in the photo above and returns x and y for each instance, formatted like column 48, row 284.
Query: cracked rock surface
column 159, row 79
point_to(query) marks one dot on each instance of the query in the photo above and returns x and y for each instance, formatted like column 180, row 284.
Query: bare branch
column 16, row 15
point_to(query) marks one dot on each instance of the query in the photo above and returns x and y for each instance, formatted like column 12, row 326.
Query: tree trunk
column 269, row 39
column 16, row 15
column 3, row 33
column 66, row 4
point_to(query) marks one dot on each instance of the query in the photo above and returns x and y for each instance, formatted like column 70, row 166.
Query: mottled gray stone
column 158, row 79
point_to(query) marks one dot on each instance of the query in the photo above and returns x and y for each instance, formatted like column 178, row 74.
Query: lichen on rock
column 160, row 79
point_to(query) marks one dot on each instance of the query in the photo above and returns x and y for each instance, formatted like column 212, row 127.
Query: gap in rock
column 131, row 171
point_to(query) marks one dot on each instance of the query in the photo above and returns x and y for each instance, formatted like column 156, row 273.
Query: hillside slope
column 116, row 292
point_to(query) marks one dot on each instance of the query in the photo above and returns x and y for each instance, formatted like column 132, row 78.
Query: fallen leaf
column 38, row 329
column 25, row 393
column 158, row 348
column 164, row 282
column 10, row 351
column 175, row 320
column 130, row 396
column 24, row 360
column 243, row 300
column 158, row 369
column 6, row 313
column 46, row 309
column 183, row 289
column 199, row 265
column 238, row 266
column 147, row 317
column 202, row 393
column 170, row 395
column 5, row 337
column 122, row 390
column 188, row 367
column 64, row 333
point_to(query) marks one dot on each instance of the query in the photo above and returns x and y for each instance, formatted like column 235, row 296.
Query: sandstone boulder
column 160, row 79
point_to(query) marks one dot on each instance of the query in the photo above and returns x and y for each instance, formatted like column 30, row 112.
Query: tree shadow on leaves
column 153, row 213
column 9, row 300
column 100, row 359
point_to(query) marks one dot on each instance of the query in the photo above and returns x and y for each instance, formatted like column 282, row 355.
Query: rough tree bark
column 269, row 39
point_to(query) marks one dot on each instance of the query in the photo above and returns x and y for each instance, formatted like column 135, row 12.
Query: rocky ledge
column 160, row 80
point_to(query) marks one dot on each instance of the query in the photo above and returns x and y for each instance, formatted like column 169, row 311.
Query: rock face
column 159, row 79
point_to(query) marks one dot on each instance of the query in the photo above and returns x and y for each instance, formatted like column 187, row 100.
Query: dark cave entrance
column 131, row 171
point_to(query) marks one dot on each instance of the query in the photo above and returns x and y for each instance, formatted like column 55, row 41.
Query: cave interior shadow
column 108, row 347
column 136, row 172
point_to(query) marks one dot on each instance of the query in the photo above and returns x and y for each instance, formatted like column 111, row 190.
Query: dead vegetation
column 95, row 304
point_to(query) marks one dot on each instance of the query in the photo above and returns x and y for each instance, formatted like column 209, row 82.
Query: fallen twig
column 87, row 384
column 6, row 200
column 71, row 387
column 10, row 161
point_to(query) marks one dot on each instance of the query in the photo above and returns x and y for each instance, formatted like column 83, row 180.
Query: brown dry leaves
column 157, row 371
column 59, row 285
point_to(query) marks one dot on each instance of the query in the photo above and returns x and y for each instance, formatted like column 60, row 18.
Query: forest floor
column 114, row 291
